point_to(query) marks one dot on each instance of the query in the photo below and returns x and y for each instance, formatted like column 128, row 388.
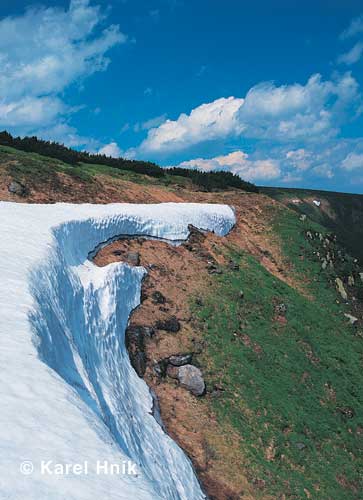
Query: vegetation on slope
column 207, row 181
column 290, row 369
column 342, row 213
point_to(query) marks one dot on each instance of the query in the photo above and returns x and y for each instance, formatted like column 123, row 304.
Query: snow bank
column 68, row 392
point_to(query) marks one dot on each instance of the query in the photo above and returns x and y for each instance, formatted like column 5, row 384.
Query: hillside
column 278, row 340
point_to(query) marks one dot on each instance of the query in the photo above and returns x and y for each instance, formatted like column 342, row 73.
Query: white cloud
column 238, row 163
column 286, row 113
column 43, row 52
column 206, row 122
column 355, row 28
column 353, row 161
column 353, row 55
column 151, row 123
column 300, row 159
column 111, row 149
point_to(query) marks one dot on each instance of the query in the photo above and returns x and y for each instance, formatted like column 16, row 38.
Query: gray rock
column 351, row 281
column 361, row 277
column 303, row 217
column 352, row 319
column 341, row 289
column 133, row 258
column 158, row 298
column 191, row 378
column 180, row 359
column 300, row 446
column 17, row 188
column 169, row 325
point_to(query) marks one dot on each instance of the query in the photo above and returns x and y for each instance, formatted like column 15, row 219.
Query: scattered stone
column 199, row 301
column 160, row 368
column 158, row 298
column 241, row 294
column 169, row 325
column 233, row 265
column 133, row 258
column 351, row 281
column 300, row 446
column 281, row 309
column 346, row 411
column 191, row 378
column 341, row 289
column 303, row 217
column 361, row 277
column 17, row 188
column 180, row 359
column 352, row 319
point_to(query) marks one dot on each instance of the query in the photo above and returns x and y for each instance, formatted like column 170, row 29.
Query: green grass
column 290, row 386
column 38, row 170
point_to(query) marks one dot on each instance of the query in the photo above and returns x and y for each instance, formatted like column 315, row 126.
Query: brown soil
column 177, row 274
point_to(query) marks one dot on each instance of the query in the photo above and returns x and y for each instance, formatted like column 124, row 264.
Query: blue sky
column 269, row 90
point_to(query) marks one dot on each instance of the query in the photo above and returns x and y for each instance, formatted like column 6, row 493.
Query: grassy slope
column 288, row 388
column 285, row 386
column 343, row 213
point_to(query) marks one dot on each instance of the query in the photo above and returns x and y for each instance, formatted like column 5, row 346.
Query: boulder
column 361, row 277
column 169, row 325
column 350, row 281
column 352, row 319
column 17, row 188
column 191, row 378
column 133, row 258
column 341, row 289
column 158, row 298
column 303, row 217
column 180, row 359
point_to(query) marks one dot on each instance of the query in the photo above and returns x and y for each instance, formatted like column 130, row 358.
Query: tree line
column 208, row 181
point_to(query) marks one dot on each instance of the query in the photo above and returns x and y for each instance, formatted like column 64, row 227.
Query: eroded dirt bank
column 162, row 334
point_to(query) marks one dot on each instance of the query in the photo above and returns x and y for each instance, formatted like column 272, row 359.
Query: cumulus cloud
column 111, row 149
column 268, row 112
column 353, row 55
column 238, row 163
column 43, row 52
column 214, row 120
column 353, row 161
column 301, row 159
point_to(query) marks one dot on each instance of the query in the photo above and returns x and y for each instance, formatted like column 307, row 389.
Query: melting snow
column 68, row 392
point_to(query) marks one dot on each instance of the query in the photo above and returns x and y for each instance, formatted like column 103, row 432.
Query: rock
column 303, row 217
column 199, row 301
column 324, row 264
column 191, row 378
column 133, row 258
column 281, row 309
column 233, row 265
column 352, row 319
column 118, row 253
column 135, row 343
column 241, row 294
column 361, row 277
column 169, row 325
column 346, row 411
column 158, row 298
column 17, row 188
column 172, row 371
column 180, row 359
column 341, row 289
column 138, row 361
column 351, row 281
column 300, row 446
column 160, row 368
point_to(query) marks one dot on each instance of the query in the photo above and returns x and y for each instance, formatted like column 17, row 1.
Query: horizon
column 261, row 91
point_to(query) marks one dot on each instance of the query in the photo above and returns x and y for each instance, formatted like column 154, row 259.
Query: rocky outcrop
column 191, row 378
column 341, row 289
column 135, row 336
column 169, row 325
column 17, row 188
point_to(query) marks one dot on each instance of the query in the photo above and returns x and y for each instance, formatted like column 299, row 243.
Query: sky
column 271, row 91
